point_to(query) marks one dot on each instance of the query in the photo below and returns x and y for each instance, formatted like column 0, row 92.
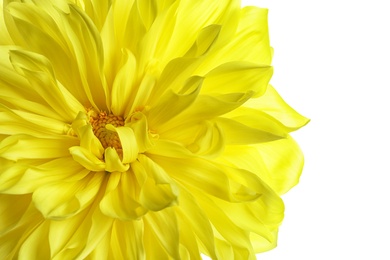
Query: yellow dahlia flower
column 140, row 130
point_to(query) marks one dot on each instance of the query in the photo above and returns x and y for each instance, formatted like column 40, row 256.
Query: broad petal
column 113, row 161
column 157, row 189
column 9, row 214
column 241, row 77
column 120, row 200
column 36, row 246
column 22, row 178
column 79, row 234
column 172, row 104
column 205, row 107
column 127, row 240
column 162, row 227
column 212, row 178
column 272, row 104
column 67, row 198
column 87, row 159
column 237, row 133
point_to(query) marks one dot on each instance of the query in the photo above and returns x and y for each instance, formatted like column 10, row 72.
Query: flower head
column 140, row 130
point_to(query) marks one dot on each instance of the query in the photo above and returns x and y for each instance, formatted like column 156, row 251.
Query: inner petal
column 108, row 138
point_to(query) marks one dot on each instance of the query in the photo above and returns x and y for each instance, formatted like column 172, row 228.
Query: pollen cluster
column 107, row 137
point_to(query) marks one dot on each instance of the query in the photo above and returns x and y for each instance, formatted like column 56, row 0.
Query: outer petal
column 272, row 104
column 213, row 179
column 14, row 147
column 68, row 38
column 161, row 233
column 157, row 189
column 23, row 178
column 127, row 240
column 67, row 198
column 120, row 200
column 278, row 163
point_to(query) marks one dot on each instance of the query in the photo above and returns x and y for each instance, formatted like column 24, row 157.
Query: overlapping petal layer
column 140, row 130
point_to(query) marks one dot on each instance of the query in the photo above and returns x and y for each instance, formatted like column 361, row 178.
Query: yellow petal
column 139, row 124
column 194, row 220
column 79, row 234
column 67, row 198
column 18, row 178
column 206, row 107
column 127, row 240
column 71, row 43
column 206, row 39
column 16, row 122
column 212, row 178
column 120, row 199
column 272, row 104
column 171, row 104
column 239, row 77
column 162, row 228
column 157, row 189
column 87, row 159
column 19, row 147
column 284, row 161
column 113, row 161
column 123, row 83
column 37, row 69
column 128, row 140
column 234, row 235
column 34, row 246
column 9, row 214
column 237, row 133
column 5, row 39
column 96, row 10
column 209, row 141
column 89, row 141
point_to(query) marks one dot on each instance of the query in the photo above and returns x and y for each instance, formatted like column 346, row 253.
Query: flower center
column 107, row 137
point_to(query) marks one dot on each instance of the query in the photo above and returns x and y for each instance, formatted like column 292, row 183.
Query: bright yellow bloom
column 140, row 130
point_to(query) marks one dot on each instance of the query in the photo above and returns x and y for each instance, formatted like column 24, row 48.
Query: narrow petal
column 19, row 122
column 123, row 83
column 128, row 140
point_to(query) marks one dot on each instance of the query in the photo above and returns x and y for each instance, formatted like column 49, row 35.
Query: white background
column 332, row 64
